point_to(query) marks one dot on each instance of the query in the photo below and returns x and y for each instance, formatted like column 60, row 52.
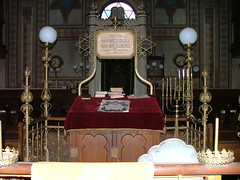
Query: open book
column 114, row 105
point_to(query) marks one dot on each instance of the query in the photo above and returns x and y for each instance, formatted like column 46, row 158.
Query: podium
column 96, row 136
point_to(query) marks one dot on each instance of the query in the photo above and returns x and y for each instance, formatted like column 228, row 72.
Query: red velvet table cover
column 144, row 113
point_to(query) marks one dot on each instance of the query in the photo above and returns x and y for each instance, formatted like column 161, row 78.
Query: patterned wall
column 210, row 18
column 194, row 22
column 38, row 65
column 224, row 42
column 11, row 63
column 209, row 35
column 26, row 39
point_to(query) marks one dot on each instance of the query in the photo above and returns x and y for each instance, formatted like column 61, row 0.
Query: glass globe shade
column 75, row 67
column 81, row 64
column 161, row 66
column 154, row 64
column 188, row 36
column 88, row 67
column 48, row 34
column 147, row 67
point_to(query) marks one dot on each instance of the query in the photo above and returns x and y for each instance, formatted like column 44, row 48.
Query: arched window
column 128, row 11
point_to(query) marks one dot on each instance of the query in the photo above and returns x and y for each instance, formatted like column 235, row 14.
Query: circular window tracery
column 128, row 11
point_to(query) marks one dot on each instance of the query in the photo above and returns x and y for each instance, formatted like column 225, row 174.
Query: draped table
column 144, row 113
column 113, row 136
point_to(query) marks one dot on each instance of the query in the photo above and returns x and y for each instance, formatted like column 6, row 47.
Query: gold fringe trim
column 116, row 129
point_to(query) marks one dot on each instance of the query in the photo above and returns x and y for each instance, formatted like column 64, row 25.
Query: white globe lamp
column 188, row 36
column 48, row 34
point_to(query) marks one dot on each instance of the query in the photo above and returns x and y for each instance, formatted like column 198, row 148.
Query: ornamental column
column 139, row 87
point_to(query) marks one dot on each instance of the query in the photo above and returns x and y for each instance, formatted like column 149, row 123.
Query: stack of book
column 86, row 96
column 116, row 92
column 113, row 93
column 101, row 93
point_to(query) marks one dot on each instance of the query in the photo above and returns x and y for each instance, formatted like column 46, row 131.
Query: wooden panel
column 110, row 145
column 133, row 144
column 90, row 146
column 94, row 148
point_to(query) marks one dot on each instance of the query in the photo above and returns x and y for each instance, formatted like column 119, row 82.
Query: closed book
column 86, row 96
column 118, row 89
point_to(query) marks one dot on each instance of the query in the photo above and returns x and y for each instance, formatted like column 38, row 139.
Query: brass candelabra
column 82, row 69
column 173, row 89
column 177, row 92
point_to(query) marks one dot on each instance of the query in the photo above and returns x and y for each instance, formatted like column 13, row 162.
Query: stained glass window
column 128, row 11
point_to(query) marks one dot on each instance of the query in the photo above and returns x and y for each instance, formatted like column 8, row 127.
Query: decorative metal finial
column 141, row 8
column 205, row 97
column 27, row 108
column 46, row 95
column 27, row 96
column 93, row 8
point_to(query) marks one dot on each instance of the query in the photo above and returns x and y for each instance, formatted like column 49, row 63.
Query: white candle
column 179, row 73
column 170, row 87
column 175, row 87
column 216, row 134
column 167, row 87
column 0, row 139
column 188, row 71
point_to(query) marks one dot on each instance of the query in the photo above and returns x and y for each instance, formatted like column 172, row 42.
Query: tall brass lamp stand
column 48, row 36
column 188, row 37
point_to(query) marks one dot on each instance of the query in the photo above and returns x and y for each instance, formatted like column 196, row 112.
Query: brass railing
column 190, row 131
column 46, row 140
column 183, row 124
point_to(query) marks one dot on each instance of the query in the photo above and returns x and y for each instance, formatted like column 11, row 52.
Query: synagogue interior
column 132, row 89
